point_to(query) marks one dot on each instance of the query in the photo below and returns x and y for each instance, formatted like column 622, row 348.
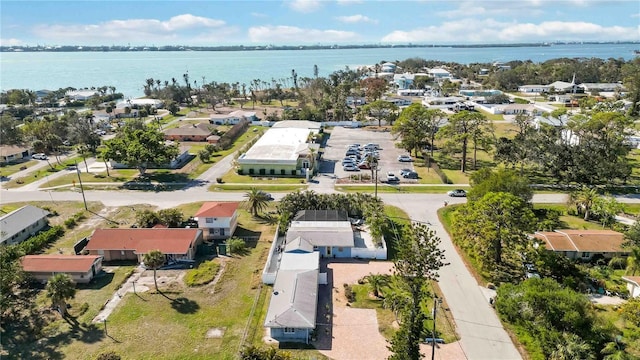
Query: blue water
column 127, row 71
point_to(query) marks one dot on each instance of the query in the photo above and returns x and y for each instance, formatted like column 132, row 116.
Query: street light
column 436, row 301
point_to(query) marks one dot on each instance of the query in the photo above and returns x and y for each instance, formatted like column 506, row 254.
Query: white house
column 81, row 95
column 403, row 81
column 219, row 219
column 533, row 89
column 439, row 73
column 633, row 285
column 22, row 223
column 233, row 117
column 441, row 102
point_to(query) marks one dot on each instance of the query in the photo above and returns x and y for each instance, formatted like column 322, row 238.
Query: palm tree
column 633, row 261
column 614, row 351
column 376, row 283
column 572, row 347
column 60, row 288
column 256, row 200
column 154, row 259
column 583, row 200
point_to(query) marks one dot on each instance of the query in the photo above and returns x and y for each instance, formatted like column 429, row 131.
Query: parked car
column 348, row 160
column 457, row 193
column 350, row 167
column 404, row 171
column 392, row 178
column 352, row 152
column 266, row 195
column 364, row 165
column 39, row 156
column 405, row 158
column 372, row 146
column 410, row 175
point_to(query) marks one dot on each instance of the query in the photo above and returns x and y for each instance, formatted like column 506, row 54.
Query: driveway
column 354, row 332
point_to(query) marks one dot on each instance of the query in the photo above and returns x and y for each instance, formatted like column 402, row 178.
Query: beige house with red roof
column 218, row 219
column 81, row 268
column 132, row 244
column 633, row 285
column 583, row 244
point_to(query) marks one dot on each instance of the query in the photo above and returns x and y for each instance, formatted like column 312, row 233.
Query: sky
column 309, row 22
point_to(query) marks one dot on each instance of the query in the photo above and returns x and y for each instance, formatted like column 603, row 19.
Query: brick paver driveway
column 354, row 332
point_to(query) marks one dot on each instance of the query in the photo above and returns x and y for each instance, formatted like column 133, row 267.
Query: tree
column 374, row 87
column 172, row 218
column 236, row 245
column 584, row 200
column 495, row 229
column 256, row 200
column 173, row 108
column 572, row 347
column 462, row 128
column 146, row 218
column 633, row 261
column 139, row 148
column 60, row 288
column 380, row 110
column 632, row 235
column 419, row 259
column 9, row 131
column 376, row 282
column 413, row 127
column 606, row 208
column 154, row 259
column 486, row 180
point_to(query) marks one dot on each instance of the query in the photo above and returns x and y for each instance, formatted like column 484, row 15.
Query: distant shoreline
column 101, row 48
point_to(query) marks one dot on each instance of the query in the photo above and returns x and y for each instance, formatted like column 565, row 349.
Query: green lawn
column 504, row 129
column 8, row 170
column 258, row 185
column 490, row 116
column 42, row 172
column 232, row 177
column 383, row 188
column 427, row 175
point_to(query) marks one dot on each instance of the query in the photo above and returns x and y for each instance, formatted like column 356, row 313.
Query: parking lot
column 340, row 140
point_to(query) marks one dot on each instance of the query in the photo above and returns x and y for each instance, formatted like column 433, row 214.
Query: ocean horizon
column 128, row 71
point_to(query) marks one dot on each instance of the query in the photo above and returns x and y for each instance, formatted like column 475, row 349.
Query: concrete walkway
column 126, row 287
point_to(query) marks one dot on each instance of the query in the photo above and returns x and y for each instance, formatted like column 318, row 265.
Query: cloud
column 304, row 6
column 356, row 19
column 140, row 30
column 492, row 31
column 11, row 42
column 635, row 15
column 259, row 15
column 349, row 2
column 296, row 35
column 494, row 8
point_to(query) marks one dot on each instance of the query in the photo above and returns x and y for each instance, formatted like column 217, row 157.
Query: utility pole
column 433, row 334
column 82, row 190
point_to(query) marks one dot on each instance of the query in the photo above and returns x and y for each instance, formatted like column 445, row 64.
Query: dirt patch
column 215, row 333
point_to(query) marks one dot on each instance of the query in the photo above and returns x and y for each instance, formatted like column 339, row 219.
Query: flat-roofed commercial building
column 280, row 152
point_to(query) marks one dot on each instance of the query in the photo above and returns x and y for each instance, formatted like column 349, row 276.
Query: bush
column 617, row 263
column 37, row 243
column 70, row 223
column 349, row 293
column 203, row 274
column 236, row 245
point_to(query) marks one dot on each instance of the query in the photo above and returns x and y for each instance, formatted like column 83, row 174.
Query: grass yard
column 456, row 176
column 630, row 331
column 8, row 170
column 42, row 172
column 427, row 175
column 505, row 129
column 490, row 116
column 232, row 177
column 569, row 221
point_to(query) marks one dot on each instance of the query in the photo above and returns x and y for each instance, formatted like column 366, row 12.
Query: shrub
column 617, row 263
column 70, row 223
column 349, row 293
column 38, row 242
column 236, row 245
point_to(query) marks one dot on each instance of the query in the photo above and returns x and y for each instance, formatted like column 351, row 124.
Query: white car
column 405, row 158
column 392, row 178
column 39, row 156
column 350, row 167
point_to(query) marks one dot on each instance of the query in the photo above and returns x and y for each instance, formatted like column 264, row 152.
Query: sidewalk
column 36, row 185
column 112, row 303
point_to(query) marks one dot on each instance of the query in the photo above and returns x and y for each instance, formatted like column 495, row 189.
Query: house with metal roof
column 22, row 223
column 81, row 268
column 218, row 219
column 132, row 244
column 583, row 244
column 291, row 315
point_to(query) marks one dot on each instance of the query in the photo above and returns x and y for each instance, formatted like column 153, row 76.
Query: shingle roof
column 294, row 300
column 582, row 240
column 168, row 241
column 20, row 219
column 217, row 209
column 58, row 263
column 6, row 150
column 187, row 130
column 298, row 245
column 322, row 233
